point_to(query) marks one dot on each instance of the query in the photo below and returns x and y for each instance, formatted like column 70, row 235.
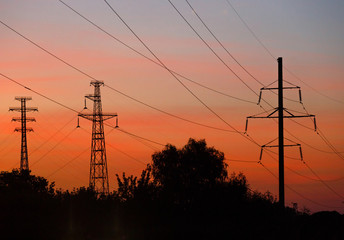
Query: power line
column 71, row 109
column 169, row 114
column 303, row 142
column 205, row 105
column 57, row 144
column 69, row 162
column 146, row 139
column 117, row 149
column 172, row 73
column 51, row 137
column 317, row 177
column 54, row 101
column 315, row 90
column 5, row 140
column 126, row 154
column 237, row 160
column 227, row 51
column 323, row 182
column 150, row 59
column 299, row 194
column 251, row 31
column 269, row 52
column 123, row 94
column 326, row 141
column 210, row 48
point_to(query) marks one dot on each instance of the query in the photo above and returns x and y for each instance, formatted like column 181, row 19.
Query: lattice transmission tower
column 24, row 162
column 98, row 164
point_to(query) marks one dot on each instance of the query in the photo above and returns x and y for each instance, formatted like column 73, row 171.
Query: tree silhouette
column 136, row 188
column 185, row 173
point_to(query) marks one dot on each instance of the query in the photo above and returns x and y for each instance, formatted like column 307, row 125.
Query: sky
column 307, row 34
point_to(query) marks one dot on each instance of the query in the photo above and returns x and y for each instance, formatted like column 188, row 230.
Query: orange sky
column 307, row 36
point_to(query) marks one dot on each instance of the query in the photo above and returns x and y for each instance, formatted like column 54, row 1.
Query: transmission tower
column 280, row 110
column 24, row 162
column 98, row 164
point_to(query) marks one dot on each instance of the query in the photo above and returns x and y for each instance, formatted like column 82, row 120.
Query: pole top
column 23, row 98
column 97, row 83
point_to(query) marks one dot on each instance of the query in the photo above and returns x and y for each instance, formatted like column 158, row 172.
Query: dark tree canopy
column 195, row 165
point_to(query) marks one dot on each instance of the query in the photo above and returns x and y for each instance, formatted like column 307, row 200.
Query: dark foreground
column 33, row 209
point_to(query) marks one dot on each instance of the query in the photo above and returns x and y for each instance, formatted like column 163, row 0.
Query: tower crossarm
column 19, row 119
column 28, row 129
column 23, row 98
column 91, row 116
column 27, row 109
column 92, row 97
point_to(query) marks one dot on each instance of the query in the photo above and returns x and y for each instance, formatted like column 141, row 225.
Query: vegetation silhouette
column 184, row 193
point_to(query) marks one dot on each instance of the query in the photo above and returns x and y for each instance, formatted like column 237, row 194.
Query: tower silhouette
column 282, row 114
column 24, row 162
column 98, row 164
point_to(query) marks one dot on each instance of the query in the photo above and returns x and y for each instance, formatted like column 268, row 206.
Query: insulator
column 315, row 125
column 260, row 97
column 116, row 122
column 85, row 104
column 261, row 154
column 300, row 97
column 78, row 126
column 301, row 156
column 246, row 124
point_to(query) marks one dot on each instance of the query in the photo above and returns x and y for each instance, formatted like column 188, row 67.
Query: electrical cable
column 236, row 160
column 71, row 109
column 66, row 164
column 212, row 50
column 52, row 136
column 124, row 153
column 269, row 52
column 169, row 114
column 150, row 59
column 323, row 182
column 123, row 94
column 57, row 144
column 326, row 141
column 299, row 194
column 227, row 51
column 173, row 75
column 5, row 140
column 303, row 142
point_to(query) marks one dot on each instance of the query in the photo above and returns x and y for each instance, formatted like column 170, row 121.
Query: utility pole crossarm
column 276, row 88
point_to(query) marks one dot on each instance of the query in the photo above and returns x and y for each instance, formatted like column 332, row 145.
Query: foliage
column 131, row 187
column 184, row 194
column 195, row 164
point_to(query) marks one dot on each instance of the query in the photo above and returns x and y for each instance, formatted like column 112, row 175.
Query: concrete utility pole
column 24, row 162
column 98, row 164
column 282, row 113
column 280, row 134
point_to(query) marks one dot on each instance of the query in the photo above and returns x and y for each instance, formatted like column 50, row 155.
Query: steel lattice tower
column 98, row 164
column 24, row 162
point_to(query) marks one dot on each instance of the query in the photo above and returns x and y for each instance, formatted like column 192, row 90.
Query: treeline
column 183, row 194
